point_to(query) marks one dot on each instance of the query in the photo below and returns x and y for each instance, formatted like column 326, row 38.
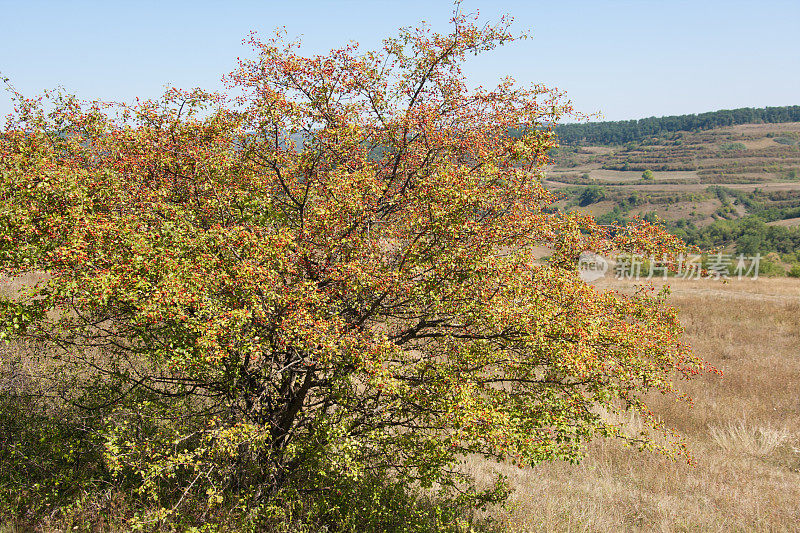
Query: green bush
column 51, row 460
column 770, row 269
column 591, row 195
column 733, row 147
column 56, row 464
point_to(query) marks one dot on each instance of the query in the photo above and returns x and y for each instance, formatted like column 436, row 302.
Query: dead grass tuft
column 753, row 440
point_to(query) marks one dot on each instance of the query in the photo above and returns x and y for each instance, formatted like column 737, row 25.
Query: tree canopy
column 329, row 272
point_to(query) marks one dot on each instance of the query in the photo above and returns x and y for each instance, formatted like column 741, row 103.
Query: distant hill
column 623, row 131
column 732, row 187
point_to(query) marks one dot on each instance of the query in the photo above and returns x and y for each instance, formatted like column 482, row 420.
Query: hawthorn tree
column 330, row 270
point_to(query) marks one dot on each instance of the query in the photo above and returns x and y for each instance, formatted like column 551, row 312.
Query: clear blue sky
column 625, row 59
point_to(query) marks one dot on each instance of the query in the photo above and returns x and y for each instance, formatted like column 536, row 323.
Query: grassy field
column 744, row 432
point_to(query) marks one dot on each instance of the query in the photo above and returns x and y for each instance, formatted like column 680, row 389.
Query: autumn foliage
column 331, row 272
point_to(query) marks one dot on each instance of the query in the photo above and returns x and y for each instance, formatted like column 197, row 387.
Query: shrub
column 733, row 147
column 591, row 195
column 770, row 269
column 256, row 303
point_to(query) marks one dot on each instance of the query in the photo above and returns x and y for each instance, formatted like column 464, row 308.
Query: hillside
column 736, row 187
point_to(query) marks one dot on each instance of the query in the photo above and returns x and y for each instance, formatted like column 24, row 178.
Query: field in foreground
column 744, row 432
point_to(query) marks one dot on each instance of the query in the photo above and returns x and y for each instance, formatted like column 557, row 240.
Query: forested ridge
column 622, row 131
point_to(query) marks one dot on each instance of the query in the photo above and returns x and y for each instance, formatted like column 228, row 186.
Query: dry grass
column 753, row 440
column 788, row 222
column 744, row 431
